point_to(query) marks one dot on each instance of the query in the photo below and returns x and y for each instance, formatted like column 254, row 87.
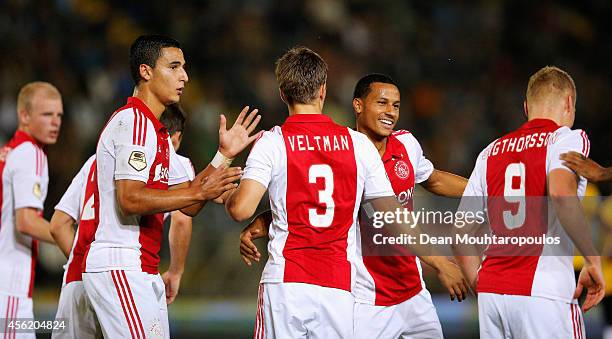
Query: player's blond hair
column 550, row 81
column 29, row 90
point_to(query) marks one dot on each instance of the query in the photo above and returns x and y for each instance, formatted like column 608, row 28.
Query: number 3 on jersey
column 515, row 195
column 325, row 195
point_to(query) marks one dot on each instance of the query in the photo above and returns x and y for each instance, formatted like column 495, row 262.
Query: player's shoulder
column 484, row 154
column 406, row 138
column 88, row 163
column 359, row 139
column 26, row 150
column 565, row 133
column 573, row 138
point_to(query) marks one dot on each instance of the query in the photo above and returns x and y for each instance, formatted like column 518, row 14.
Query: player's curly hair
column 146, row 49
column 300, row 73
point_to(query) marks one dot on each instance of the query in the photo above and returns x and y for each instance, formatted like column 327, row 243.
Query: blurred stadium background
column 462, row 68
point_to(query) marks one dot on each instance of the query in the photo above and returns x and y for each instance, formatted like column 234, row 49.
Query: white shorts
column 296, row 310
column 129, row 304
column 413, row 318
column 518, row 316
column 74, row 307
column 15, row 308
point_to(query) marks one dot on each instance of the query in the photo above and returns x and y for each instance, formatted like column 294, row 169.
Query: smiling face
column 167, row 79
column 378, row 112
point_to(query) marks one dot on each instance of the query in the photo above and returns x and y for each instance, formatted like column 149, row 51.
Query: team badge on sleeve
column 37, row 192
column 138, row 161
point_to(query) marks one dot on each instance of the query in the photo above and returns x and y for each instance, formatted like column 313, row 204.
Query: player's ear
column 282, row 96
column 525, row 109
column 323, row 92
column 24, row 117
column 145, row 71
column 357, row 106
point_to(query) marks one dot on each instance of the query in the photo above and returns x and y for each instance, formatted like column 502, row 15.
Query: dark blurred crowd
column 462, row 66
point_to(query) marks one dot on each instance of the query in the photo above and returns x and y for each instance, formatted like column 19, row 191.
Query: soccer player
column 73, row 306
column 532, row 293
column 135, row 165
column 391, row 297
column 23, row 188
column 586, row 167
column 316, row 173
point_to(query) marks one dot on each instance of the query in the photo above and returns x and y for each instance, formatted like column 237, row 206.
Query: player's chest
column 400, row 170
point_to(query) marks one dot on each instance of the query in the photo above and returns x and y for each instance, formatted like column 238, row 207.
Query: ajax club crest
column 402, row 170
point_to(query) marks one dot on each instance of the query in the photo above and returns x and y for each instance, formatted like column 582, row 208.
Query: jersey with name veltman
column 387, row 280
column 508, row 177
column 317, row 173
column 24, row 177
column 133, row 145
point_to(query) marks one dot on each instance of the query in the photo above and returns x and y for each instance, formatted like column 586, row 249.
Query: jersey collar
column 535, row 123
column 393, row 149
column 306, row 118
column 21, row 136
column 134, row 101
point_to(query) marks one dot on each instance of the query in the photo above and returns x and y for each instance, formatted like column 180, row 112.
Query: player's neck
column 149, row 99
column 546, row 116
column 314, row 108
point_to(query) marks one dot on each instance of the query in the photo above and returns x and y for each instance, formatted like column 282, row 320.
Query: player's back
column 316, row 172
column 514, row 171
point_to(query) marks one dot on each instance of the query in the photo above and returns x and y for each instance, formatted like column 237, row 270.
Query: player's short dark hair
column 300, row 73
column 173, row 118
column 146, row 49
column 362, row 89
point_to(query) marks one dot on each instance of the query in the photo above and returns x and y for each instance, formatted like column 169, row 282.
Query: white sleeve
column 567, row 140
column 424, row 167
column 133, row 159
column 260, row 162
column 70, row 203
column 376, row 181
column 177, row 174
column 474, row 195
column 26, row 184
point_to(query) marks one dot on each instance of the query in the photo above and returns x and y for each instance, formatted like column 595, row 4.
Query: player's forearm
column 445, row 184
column 144, row 201
column 28, row 222
column 194, row 209
column 605, row 175
column 179, row 237
column 237, row 208
column 62, row 231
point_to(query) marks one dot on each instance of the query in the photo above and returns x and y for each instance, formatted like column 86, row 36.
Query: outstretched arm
column 243, row 201
column 445, row 184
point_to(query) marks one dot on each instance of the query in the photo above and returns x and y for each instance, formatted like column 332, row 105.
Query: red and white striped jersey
column 317, row 173
column 133, row 145
column 390, row 280
column 514, row 166
column 24, row 177
column 79, row 201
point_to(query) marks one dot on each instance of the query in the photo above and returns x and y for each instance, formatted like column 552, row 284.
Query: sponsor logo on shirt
column 137, row 160
column 402, row 170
